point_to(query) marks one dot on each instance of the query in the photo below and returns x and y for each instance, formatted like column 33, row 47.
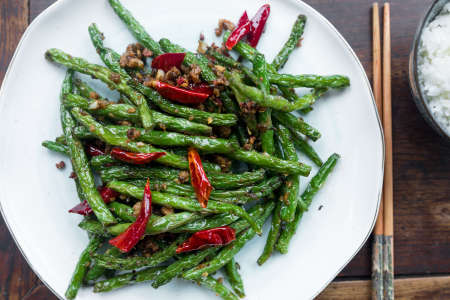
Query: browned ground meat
column 165, row 210
column 136, row 209
column 224, row 24
column 183, row 176
column 223, row 162
column 134, row 56
column 249, row 107
column 194, row 74
column 133, row 133
column 61, row 165
column 93, row 95
column 115, row 77
column 172, row 75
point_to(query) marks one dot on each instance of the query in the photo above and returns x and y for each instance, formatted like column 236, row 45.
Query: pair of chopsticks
column 383, row 245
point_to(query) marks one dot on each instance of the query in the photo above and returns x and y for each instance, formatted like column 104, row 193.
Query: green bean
column 228, row 252
column 122, row 211
column 56, row 147
column 112, row 79
column 296, row 34
column 80, row 162
column 223, row 60
column 135, row 27
column 303, row 146
column 309, row 80
column 234, row 278
column 207, row 223
column 183, row 203
column 135, row 262
column 128, row 112
column 81, row 267
column 311, row 190
column 93, row 227
column 232, row 181
column 249, row 194
column 271, row 162
column 190, row 59
column 84, row 90
column 127, row 279
column 292, row 184
column 195, row 115
column 95, row 272
column 241, row 196
column 265, row 119
column 109, row 137
column 193, row 259
column 187, row 262
column 171, row 139
column 221, row 220
column 297, row 124
column 218, row 180
column 111, row 110
column 274, row 233
column 217, row 287
column 159, row 224
column 272, row 101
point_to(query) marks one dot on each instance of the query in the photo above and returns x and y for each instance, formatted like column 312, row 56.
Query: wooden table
column 421, row 164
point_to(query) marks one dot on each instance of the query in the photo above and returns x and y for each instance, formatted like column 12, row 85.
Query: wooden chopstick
column 377, row 244
column 388, row 251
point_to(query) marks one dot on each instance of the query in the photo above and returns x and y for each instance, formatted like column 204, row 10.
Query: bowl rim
column 416, row 89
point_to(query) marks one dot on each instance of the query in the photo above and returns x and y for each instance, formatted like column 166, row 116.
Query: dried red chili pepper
column 199, row 180
column 243, row 19
column 94, row 151
column 179, row 94
column 82, row 208
column 202, row 88
column 135, row 158
column 108, row 195
column 212, row 237
column 130, row 237
column 237, row 34
column 257, row 25
column 168, row 60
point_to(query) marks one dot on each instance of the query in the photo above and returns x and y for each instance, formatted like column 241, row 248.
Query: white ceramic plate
column 35, row 196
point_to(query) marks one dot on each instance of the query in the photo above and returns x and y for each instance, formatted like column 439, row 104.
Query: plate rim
column 318, row 15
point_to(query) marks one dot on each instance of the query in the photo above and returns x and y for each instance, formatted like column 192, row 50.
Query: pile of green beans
column 254, row 169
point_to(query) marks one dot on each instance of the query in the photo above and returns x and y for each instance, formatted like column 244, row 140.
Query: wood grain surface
column 421, row 164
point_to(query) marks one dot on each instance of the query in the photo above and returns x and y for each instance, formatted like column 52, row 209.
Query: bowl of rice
column 429, row 68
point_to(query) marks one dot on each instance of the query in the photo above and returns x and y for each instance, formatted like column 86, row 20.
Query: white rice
column 434, row 66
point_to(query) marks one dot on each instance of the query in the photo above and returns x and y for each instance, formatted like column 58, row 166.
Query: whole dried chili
column 243, row 19
column 94, row 151
column 199, row 180
column 202, row 88
column 257, row 25
column 108, row 195
column 237, row 34
column 212, row 237
column 179, row 94
column 130, row 237
column 135, row 158
column 82, row 208
column 168, row 60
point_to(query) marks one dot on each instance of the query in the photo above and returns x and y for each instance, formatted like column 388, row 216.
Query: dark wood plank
column 37, row 6
column 426, row 288
column 16, row 278
column 421, row 161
